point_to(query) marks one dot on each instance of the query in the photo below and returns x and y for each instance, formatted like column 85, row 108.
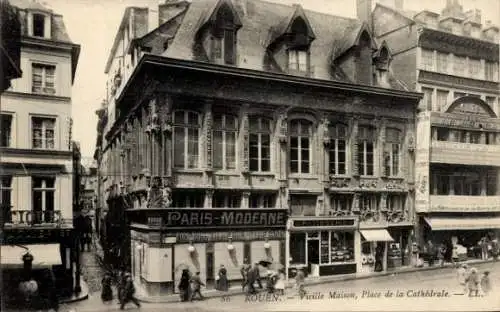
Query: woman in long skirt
column 107, row 291
column 222, row 283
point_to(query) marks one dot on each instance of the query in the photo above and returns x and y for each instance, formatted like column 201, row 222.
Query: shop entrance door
column 312, row 254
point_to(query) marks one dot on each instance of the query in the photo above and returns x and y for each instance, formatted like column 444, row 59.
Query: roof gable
column 211, row 15
column 285, row 26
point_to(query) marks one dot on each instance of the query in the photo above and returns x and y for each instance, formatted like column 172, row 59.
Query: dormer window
column 298, row 47
column 38, row 25
column 224, row 36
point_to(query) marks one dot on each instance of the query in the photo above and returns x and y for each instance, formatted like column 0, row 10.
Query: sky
column 93, row 24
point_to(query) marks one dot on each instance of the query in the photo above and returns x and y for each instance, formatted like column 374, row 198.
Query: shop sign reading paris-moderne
column 225, row 218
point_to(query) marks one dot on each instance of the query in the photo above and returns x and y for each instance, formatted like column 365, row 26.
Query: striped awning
column 463, row 223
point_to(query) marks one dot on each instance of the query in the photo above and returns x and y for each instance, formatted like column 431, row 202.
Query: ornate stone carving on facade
column 338, row 182
column 355, row 203
column 283, row 129
column 411, row 142
column 355, row 147
column 325, row 125
column 394, row 185
column 368, row 184
column 395, row 216
column 245, row 139
column 208, row 134
column 165, row 112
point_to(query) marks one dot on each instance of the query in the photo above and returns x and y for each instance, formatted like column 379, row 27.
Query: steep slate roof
column 334, row 35
column 58, row 29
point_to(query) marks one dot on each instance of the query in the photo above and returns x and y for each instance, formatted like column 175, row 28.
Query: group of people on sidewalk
column 472, row 283
column 250, row 275
column 190, row 286
column 125, row 288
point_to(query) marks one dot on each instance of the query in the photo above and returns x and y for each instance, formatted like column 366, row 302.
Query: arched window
column 392, row 148
column 260, row 144
column 366, row 147
column 338, row 150
column 300, row 146
column 187, row 127
column 225, row 131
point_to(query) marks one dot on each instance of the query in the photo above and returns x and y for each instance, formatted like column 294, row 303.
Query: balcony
column 33, row 219
column 452, row 203
column 464, row 153
column 208, row 218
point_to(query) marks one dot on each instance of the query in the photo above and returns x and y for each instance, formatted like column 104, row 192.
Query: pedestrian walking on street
column 485, row 283
column 495, row 249
column 196, row 284
column 121, row 285
column 462, row 277
column 107, row 291
column 484, row 248
column 129, row 292
column 442, row 254
column 244, row 274
column 252, row 276
column 184, row 285
column 280, row 283
column 299, row 282
column 222, row 283
column 431, row 252
column 473, row 283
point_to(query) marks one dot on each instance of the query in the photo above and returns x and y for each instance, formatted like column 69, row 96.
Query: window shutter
column 229, row 46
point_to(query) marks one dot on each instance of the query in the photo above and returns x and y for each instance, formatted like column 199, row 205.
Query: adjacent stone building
column 452, row 58
column 249, row 131
column 36, row 153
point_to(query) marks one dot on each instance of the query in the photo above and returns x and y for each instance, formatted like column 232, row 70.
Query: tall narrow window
column 368, row 202
column 224, row 39
column 366, row 146
column 38, row 25
column 259, row 200
column 6, row 130
column 225, row 132
column 187, row 127
column 300, row 146
column 43, row 80
column 43, row 132
column 338, row 135
column 427, row 99
column 442, row 62
column 43, row 199
column 427, row 60
column 226, row 200
column 260, row 144
column 341, row 203
column 5, row 197
column 392, row 152
column 395, row 202
column 297, row 60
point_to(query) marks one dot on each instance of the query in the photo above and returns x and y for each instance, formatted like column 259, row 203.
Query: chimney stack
column 363, row 10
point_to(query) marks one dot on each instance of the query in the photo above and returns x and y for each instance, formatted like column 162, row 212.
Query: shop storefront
column 201, row 240
column 468, row 235
column 322, row 246
column 375, row 243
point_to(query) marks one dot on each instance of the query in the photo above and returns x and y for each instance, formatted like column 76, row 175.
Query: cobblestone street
column 91, row 271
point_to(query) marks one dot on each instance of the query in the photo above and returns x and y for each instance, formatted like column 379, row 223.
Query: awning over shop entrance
column 379, row 235
column 43, row 255
column 462, row 223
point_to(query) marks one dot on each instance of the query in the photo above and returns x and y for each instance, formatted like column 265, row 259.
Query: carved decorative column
column 207, row 135
column 383, row 210
column 381, row 145
column 282, row 147
column 354, row 146
column 245, row 200
column 165, row 104
column 355, row 203
column 155, row 132
column 325, row 146
column 244, row 151
column 209, row 194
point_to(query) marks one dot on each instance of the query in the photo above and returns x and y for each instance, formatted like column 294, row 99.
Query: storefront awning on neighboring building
column 43, row 255
column 379, row 235
column 462, row 223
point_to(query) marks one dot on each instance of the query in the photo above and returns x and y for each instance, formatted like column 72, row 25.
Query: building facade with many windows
column 258, row 131
column 36, row 153
column 453, row 59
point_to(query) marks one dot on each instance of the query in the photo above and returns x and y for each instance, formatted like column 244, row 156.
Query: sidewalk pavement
column 84, row 294
column 233, row 291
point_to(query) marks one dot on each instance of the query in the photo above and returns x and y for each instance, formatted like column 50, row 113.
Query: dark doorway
column 312, row 253
column 210, row 266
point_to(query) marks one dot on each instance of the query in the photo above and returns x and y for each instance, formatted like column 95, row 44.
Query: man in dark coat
column 244, row 272
column 184, row 285
column 129, row 292
column 196, row 284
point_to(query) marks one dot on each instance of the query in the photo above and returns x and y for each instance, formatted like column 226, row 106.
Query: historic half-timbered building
column 257, row 131
column 452, row 58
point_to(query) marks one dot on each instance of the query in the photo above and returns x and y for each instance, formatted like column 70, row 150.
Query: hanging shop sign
column 224, row 218
column 205, row 237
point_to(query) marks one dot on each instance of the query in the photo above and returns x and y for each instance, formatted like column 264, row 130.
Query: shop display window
column 336, row 247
